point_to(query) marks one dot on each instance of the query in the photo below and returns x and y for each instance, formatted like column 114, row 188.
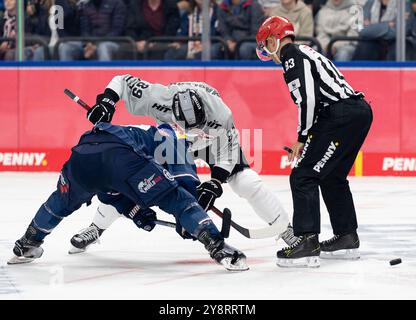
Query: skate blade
column 19, row 260
column 346, row 254
column 239, row 265
column 75, row 250
column 306, row 262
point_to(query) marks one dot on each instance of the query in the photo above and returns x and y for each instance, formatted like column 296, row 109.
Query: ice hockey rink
column 133, row 264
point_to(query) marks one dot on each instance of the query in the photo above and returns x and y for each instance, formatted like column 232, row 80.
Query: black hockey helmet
column 188, row 110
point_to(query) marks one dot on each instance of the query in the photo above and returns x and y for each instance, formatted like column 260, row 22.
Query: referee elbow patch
column 293, row 85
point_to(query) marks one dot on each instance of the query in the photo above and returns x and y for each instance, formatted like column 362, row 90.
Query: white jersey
column 143, row 98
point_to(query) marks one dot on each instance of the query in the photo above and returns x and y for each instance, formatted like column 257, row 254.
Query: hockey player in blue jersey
column 118, row 165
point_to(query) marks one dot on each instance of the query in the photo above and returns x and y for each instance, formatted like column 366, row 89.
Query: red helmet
column 278, row 27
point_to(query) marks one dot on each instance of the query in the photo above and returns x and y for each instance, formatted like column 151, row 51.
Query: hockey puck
column 395, row 261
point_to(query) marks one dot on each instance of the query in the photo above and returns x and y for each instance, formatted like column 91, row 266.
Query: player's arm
column 301, row 84
column 137, row 94
column 226, row 150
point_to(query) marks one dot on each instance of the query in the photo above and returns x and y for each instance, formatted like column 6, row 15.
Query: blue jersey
column 158, row 144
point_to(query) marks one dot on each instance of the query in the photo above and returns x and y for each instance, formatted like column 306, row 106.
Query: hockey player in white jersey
column 198, row 110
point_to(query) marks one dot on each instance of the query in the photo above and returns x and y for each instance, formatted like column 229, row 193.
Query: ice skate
column 303, row 253
column 26, row 249
column 86, row 237
column 341, row 247
column 230, row 258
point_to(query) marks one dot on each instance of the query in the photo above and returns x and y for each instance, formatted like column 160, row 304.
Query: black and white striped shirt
column 314, row 82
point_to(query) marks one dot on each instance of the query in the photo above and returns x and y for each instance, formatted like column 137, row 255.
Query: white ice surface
column 133, row 264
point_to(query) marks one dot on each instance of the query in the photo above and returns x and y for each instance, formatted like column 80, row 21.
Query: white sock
column 105, row 216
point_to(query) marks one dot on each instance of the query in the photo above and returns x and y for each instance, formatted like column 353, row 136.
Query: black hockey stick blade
column 268, row 232
column 245, row 232
column 226, row 223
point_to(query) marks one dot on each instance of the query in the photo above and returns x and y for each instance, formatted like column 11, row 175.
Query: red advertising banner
column 273, row 162
column 39, row 124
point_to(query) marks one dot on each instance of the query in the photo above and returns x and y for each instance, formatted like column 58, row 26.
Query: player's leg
column 68, row 197
column 247, row 184
column 148, row 184
column 111, row 208
column 105, row 216
column 116, row 205
column 339, row 202
column 304, row 183
column 336, row 191
column 194, row 220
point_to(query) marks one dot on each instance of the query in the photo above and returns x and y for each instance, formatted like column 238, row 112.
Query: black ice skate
column 341, row 247
column 26, row 249
column 230, row 258
column 82, row 240
column 303, row 253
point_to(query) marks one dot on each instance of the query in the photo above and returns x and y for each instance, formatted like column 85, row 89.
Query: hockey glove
column 208, row 192
column 145, row 219
column 103, row 110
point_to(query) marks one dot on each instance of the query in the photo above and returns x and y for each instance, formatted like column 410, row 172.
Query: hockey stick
column 165, row 223
column 226, row 215
column 262, row 233
column 226, row 223
column 268, row 232
column 77, row 99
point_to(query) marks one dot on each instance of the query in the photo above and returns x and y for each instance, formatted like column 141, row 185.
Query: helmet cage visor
column 188, row 111
column 262, row 47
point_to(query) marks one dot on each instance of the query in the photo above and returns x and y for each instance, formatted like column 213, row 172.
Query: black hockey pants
column 328, row 156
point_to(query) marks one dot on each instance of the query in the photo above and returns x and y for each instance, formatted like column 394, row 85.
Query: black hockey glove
column 145, row 219
column 208, row 192
column 103, row 110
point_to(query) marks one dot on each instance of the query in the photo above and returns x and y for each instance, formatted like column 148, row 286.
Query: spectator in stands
column 38, row 13
column 98, row 18
column 238, row 19
column 379, row 30
column 411, row 50
column 336, row 19
column 8, row 26
column 1, row 7
column 299, row 14
column 184, row 7
column 268, row 6
column 315, row 5
column 192, row 26
column 152, row 18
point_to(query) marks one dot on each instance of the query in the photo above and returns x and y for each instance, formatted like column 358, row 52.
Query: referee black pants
column 328, row 156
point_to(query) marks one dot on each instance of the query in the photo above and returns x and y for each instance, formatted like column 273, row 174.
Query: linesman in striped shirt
column 334, row 120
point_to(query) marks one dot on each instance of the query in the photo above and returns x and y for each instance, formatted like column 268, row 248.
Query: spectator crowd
column 125, row 29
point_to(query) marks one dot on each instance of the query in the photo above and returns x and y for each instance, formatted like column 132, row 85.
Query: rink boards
column 39, row 123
